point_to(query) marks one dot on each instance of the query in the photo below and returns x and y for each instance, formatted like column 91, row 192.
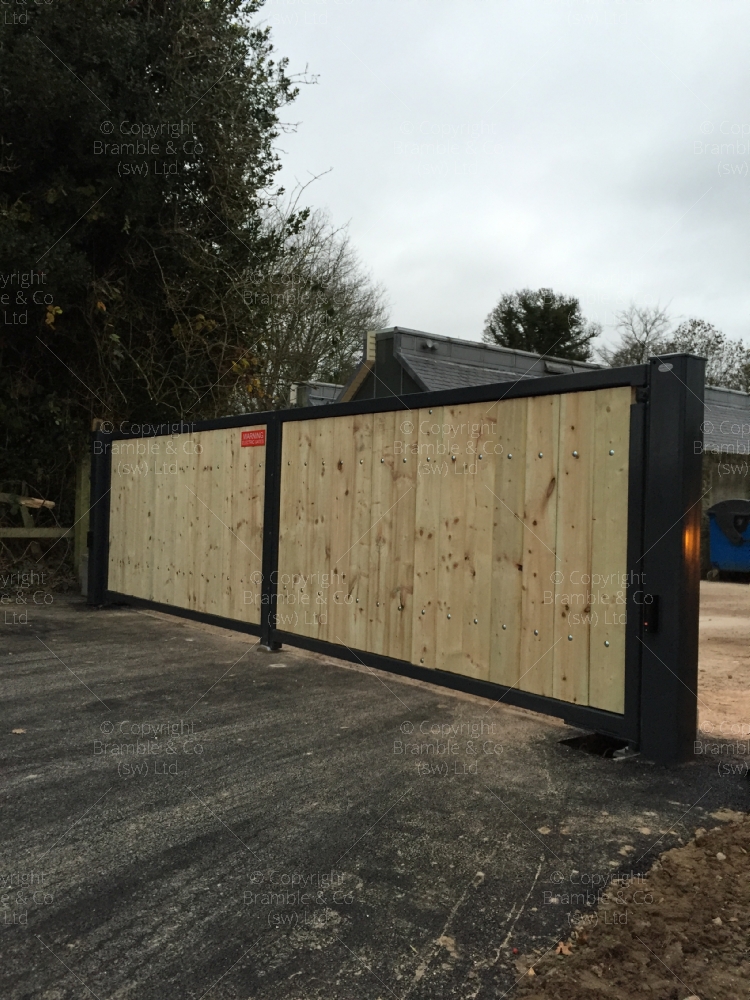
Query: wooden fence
column 529, row 541
column 465, row 538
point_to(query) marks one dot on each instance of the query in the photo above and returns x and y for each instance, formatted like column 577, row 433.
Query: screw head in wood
column 575, row 454
column 505, row 626
column 361, row 461
column 382, row 460
column 570, row 638
column 421, row 658
column 423, row 611
column 541, row 454
column 449, row 616
column 476, row 621
column 430, row 411
column 404, row 461
column 453, row 458
column 428, row 458
column 509, row 455
column 611, row 451
column 536, row 631
column 606, row 642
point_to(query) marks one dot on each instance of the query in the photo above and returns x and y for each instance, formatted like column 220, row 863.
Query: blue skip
column 729, row 536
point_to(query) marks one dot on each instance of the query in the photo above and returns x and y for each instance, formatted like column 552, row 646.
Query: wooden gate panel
column 186, row 522
column 426, row 561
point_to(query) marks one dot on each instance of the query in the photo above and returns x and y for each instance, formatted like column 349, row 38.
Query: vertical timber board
column 539, row 535
column 378, row 538
column 609, row 549
column 317, row 549
column 570, row 588
column 292, row 590
column 452, row 543
column 357, row 559
column 131, row 522
column 165, row 474
column 218, row 521
column 215, row 470
column 198, row 496
column 252, row 561
column 429, row 489
column 240, row 556
column 193, row 488
column 507, row 541
column 243, row 484
column 477, row 563
column 181, row 567
column 340, row 617
column 400, row 517
column 151, row 473
column 117, row 538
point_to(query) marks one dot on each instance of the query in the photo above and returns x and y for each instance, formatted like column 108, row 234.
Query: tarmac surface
column 186, row 816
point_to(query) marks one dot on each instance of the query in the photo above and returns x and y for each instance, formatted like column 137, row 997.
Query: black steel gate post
column 98, row 536
column 271, row 517
column 668, row 591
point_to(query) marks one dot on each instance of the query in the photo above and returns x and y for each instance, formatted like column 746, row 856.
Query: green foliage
column 541, row 322
column 142, row 252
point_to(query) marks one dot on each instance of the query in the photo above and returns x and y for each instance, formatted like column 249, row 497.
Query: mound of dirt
column 681, row 932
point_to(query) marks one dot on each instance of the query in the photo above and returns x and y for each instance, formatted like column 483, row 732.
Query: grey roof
column 726, row 428
column 317, row 393
column 447, row 363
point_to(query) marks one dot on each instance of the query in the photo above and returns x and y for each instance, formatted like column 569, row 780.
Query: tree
column 136, row 155
column 317, row 304
column 727, row 360
column 643, row 334
column 542, row 322
column 646, row 332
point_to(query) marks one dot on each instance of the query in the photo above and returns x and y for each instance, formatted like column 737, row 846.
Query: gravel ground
column 274, row 836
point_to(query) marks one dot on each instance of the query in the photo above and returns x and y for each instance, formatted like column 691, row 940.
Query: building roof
column 398, row 360
column 726, row 428
column 448, row 363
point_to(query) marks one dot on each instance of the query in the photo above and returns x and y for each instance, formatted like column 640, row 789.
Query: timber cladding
column 484, row 539
column 186, row 521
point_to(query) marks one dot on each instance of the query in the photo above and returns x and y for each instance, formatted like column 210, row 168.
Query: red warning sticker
column 251, row 439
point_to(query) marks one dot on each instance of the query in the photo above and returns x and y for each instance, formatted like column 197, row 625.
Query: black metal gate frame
column 663, row 562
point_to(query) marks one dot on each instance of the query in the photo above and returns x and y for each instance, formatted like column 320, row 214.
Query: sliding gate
column 536, row 541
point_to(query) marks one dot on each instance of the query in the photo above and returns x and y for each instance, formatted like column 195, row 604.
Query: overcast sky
column 480, row 146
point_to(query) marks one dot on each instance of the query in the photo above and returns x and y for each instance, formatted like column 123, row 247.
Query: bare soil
column 724, row 665
column 683, row 931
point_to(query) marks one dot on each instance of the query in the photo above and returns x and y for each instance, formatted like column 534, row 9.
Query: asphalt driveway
column 186, row 816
